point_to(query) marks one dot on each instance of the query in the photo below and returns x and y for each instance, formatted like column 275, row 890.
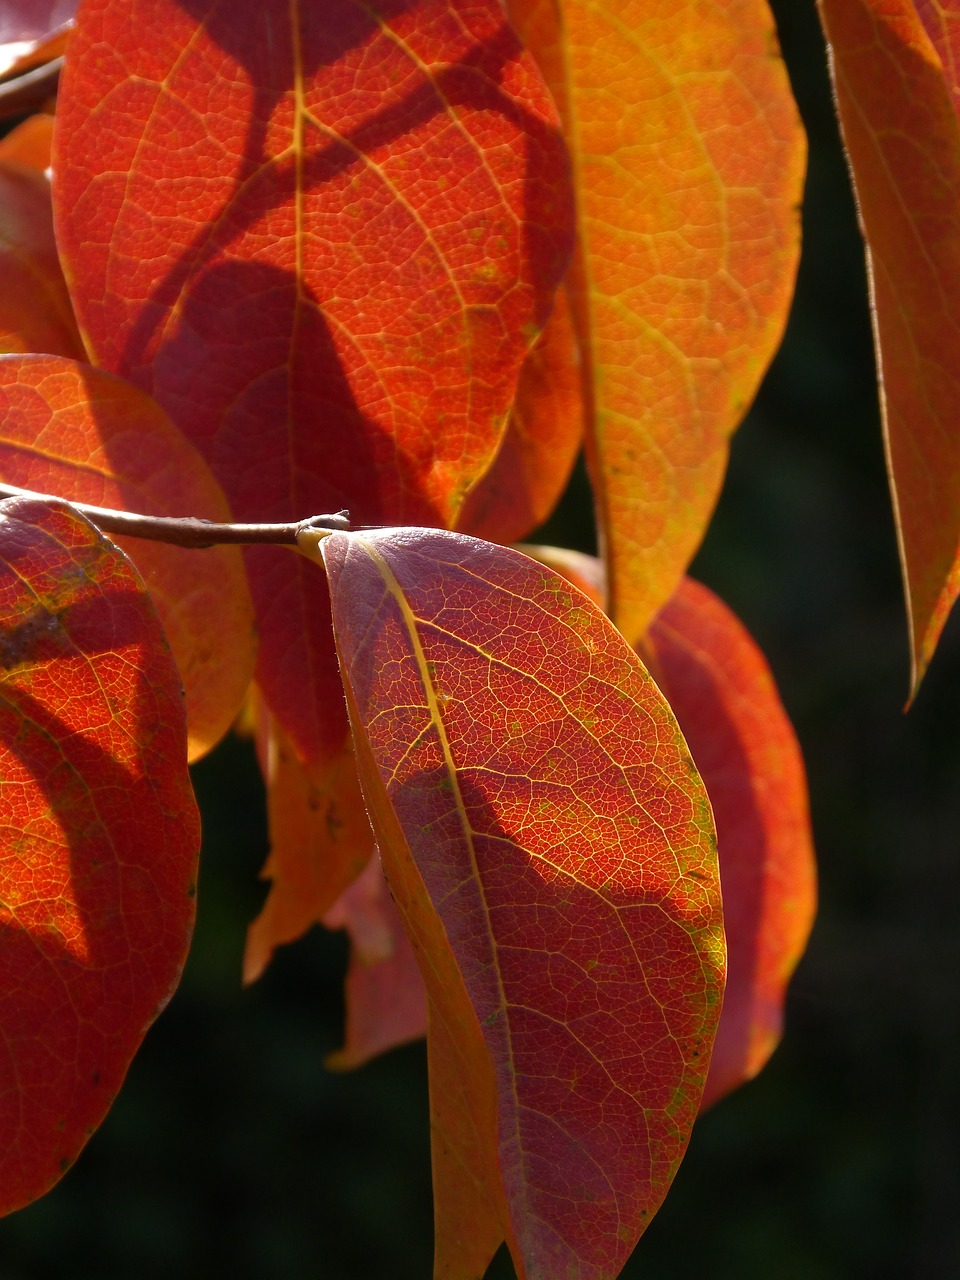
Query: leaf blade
column 86, row 436
column 380, row 217
column 320, row 840
column 726, row 702
column 688, row 160
column 100, row 835
column 904, row 152
column 725, row 699
column 384, row 993
column 539, row 448
column 35, row 311
column 429, row 658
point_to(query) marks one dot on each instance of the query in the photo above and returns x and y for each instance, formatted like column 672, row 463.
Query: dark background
column 232, row 1151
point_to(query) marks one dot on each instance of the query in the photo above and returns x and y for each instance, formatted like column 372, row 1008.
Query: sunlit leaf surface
column 98, row 835
column 79, row 433
column 325, row 237
column 895, row 73
column 723, row 695
column 550, row 847
column 688, row 159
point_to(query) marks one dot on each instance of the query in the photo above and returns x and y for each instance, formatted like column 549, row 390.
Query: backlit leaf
column 724, row 697
column 688, row 159
column 537, row 453
column 895, row 75
column 29, row 144
column 385, row 998
column 324, row 236
column 35, row 312
column 585, row 572
column 75, row 431
column 320, row 839
column 550, row 847
column 98, row 835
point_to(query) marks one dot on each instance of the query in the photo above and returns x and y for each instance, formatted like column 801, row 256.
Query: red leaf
column 721, row 689
column 550, row 848
column 35, row 312
column 386, row 1001
column 324, row 237
column 894, row 72
column 537, row 453
column 72, row 430
column 98, row 835
column 320, row 840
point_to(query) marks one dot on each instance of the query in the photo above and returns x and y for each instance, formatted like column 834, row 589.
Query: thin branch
column 188, row 531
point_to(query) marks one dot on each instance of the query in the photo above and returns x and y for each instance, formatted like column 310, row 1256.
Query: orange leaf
column 386, row 1002
column 98, row 835
column 536, row 456
column 688, row 161
column 82, row 434
column 550, row 847
column 320, row 840
column 35, row 312
column 894, row 73
column 29, row 144
column 325, row 238
column 721, row 689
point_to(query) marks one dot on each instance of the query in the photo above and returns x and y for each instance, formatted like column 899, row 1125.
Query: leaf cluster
column 407, row 260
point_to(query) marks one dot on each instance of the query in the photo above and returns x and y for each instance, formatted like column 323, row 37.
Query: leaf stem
column 189, row 531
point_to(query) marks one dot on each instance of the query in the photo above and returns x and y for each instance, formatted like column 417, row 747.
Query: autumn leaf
column 80, row 433
column 384, row 993
column 35, row 311
column 688, row 162
column 550, row 847
column 98, row 835
column 320, row 839
column 722, row 692
column 541, row 443
column 325, row 238
column 895, row 74
column 29, row 144
column 586, row 572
